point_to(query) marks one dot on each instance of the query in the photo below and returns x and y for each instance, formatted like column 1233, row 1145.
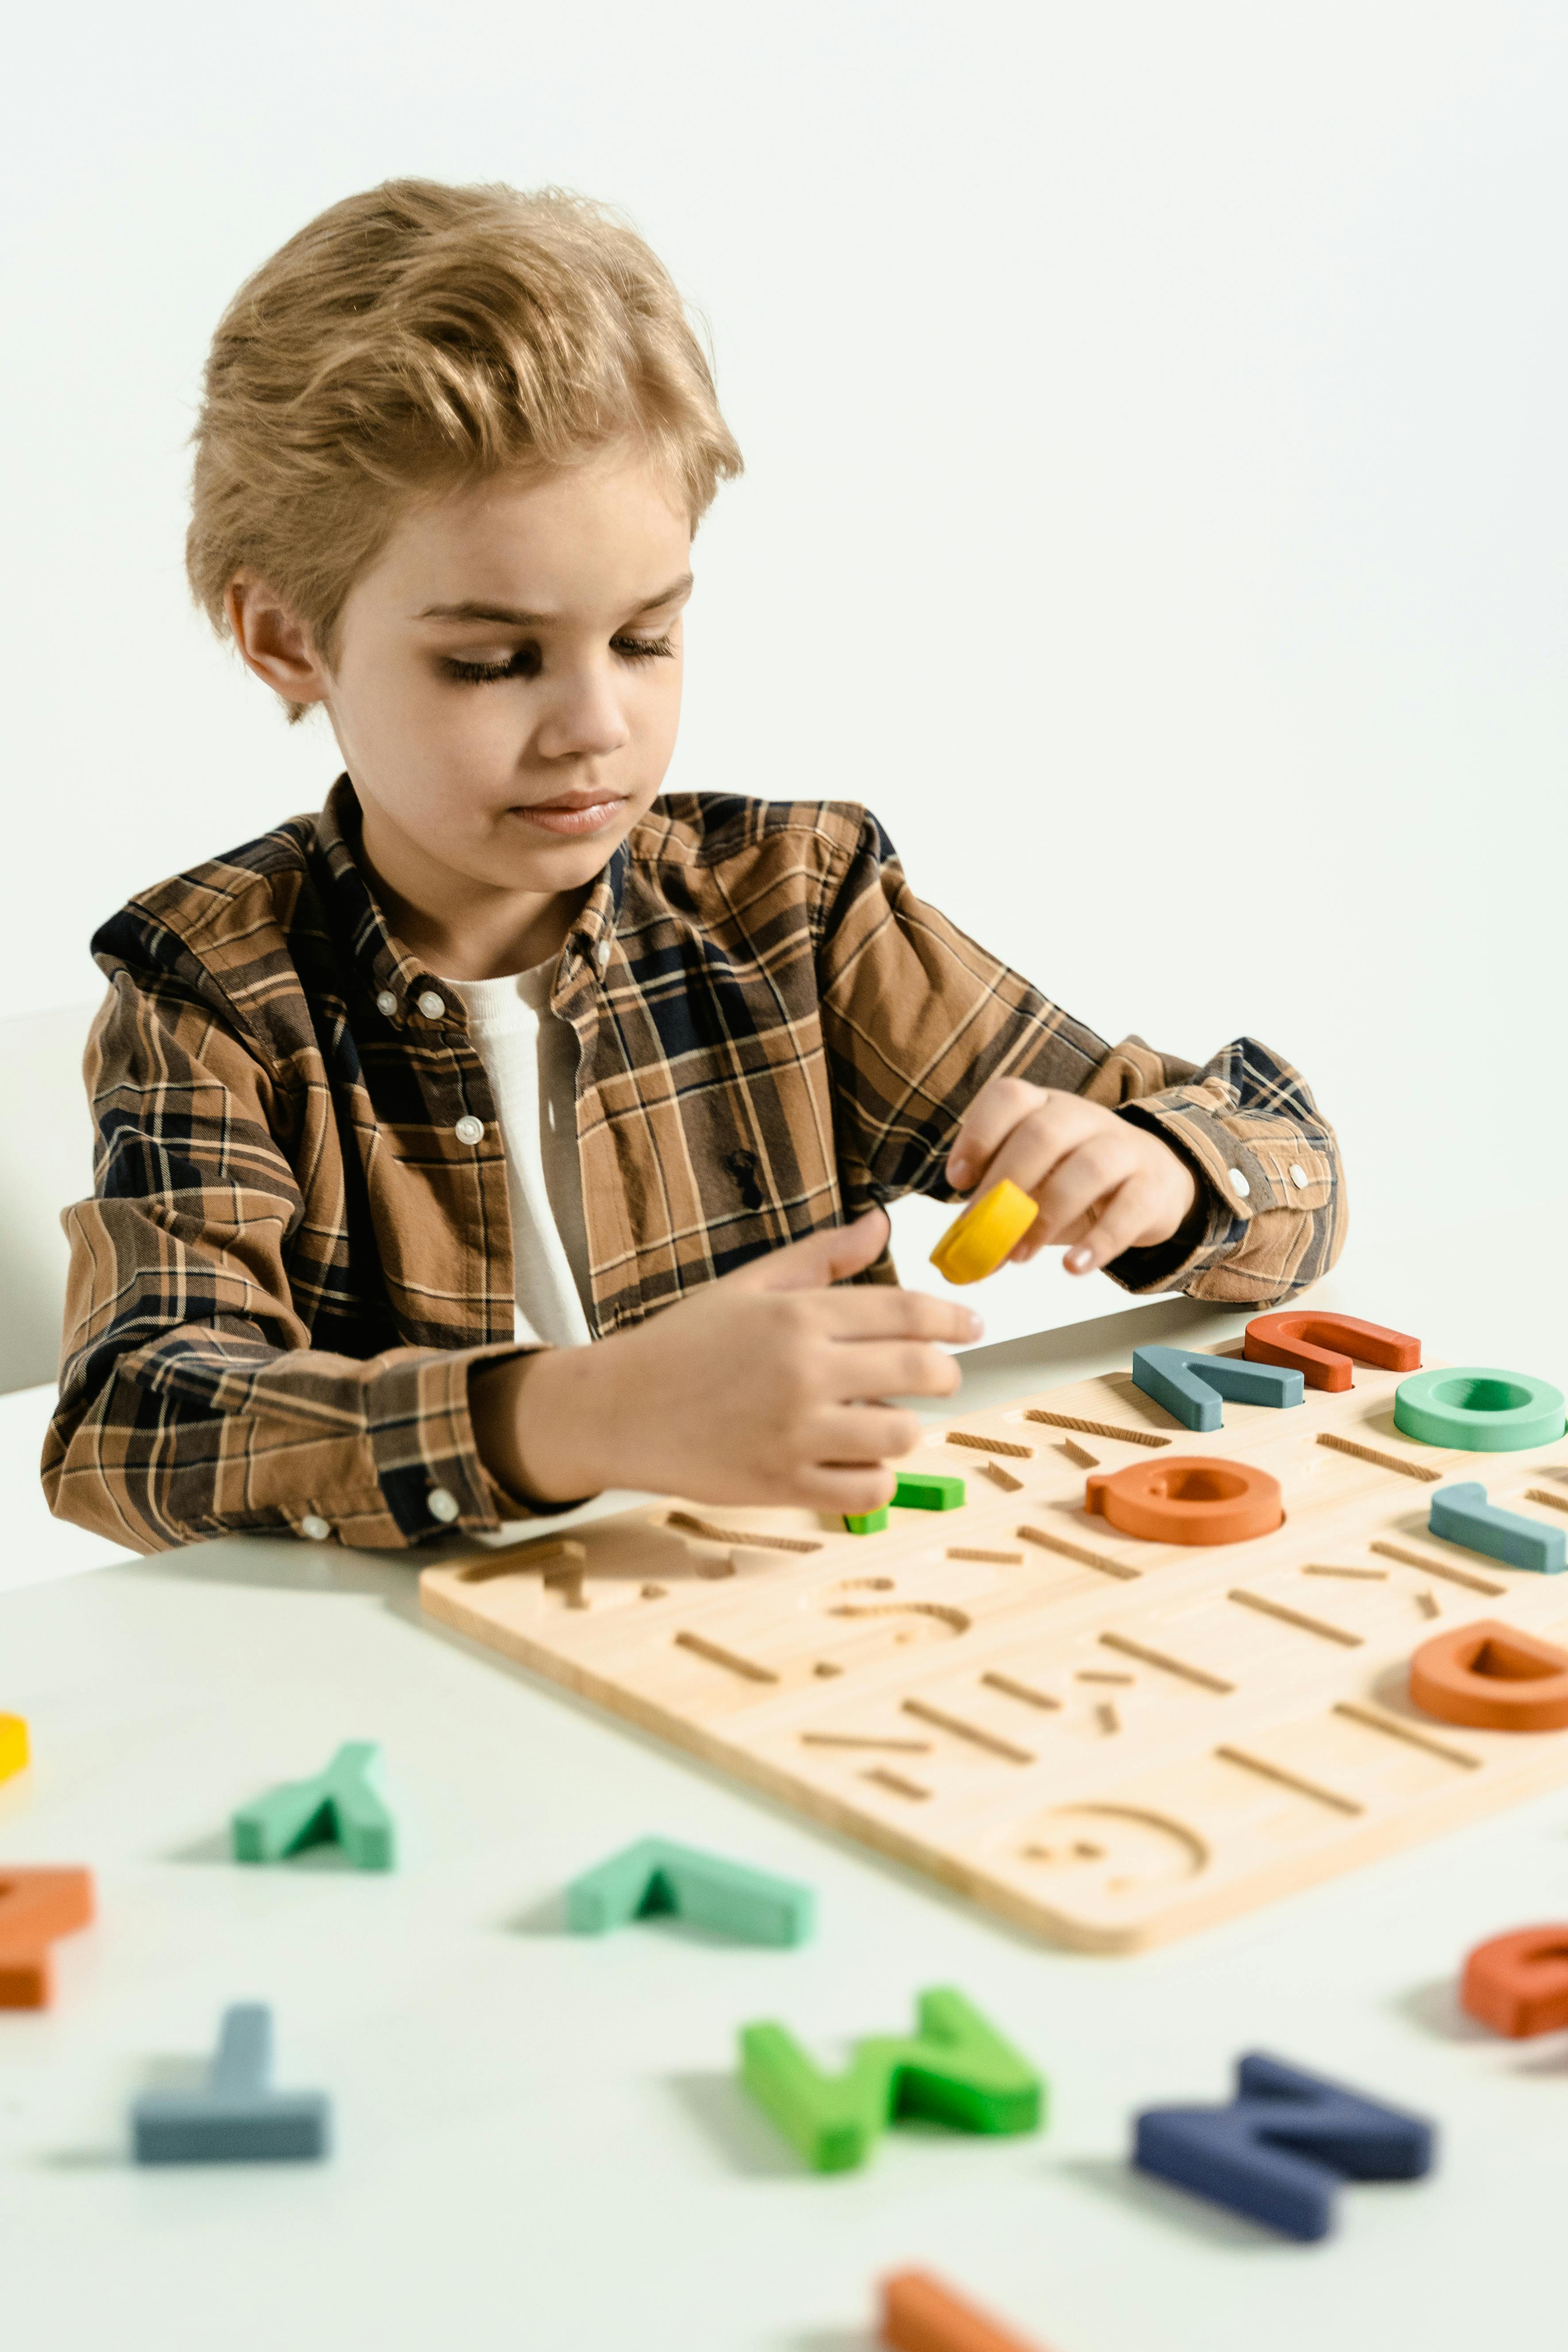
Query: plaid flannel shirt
column 295, row 1256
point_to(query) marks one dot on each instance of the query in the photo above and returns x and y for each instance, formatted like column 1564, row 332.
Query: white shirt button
column 386, row 1002
column 444, row 1505
column 1299, row 1178
column 318, row 1529
column 1238, row 1184
column 603, row 953
column 470, row 1129
column 431, row 1005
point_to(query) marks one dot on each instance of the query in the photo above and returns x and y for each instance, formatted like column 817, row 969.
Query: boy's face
column 508, row 682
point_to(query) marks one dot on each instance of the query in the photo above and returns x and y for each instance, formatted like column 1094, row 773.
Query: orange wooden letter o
column 1518, row 1984
column 1190, row 1498
column 1492, row 1675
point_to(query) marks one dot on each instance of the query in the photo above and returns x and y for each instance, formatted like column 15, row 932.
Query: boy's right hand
column 765, row 1387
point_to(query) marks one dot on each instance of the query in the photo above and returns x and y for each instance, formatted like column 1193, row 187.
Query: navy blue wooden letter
column 1280, row 2149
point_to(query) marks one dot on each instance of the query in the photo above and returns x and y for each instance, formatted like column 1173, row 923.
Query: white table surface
column 540, row 2139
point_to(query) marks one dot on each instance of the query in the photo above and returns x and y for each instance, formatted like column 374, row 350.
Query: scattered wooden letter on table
column 921, row 2315
column 656, row 1876
column 955, row 2069
column 236, row 2117
column 342, row 1805
column 1518, row 1984
column 1280, row 2149
column 36, row 1908
column 13, row 1746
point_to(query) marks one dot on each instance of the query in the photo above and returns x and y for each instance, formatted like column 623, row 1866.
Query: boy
column 501, row 1133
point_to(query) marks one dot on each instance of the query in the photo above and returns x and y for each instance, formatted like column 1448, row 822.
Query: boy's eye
column 525, row 662
column 644, row 648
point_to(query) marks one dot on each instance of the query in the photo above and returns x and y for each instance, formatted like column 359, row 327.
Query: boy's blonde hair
column 418, row 337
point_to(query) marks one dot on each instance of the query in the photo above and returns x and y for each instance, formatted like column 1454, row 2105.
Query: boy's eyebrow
column 509, row 617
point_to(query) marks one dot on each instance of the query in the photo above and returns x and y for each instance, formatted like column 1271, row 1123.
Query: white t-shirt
column 529, row 1056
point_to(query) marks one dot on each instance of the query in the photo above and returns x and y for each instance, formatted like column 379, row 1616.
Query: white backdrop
column 1156, row 499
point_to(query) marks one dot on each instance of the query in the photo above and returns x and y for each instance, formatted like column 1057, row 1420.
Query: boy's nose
column 584, row 719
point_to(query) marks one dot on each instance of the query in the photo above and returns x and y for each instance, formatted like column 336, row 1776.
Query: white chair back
column 45, row 1162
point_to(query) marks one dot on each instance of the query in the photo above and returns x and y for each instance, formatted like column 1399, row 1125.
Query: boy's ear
column 272, row 643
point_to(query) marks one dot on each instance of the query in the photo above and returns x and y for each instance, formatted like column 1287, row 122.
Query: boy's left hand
column 1104, row 1185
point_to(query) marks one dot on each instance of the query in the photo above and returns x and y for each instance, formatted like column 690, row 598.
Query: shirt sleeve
column 917, row 1018
column 192, row 1404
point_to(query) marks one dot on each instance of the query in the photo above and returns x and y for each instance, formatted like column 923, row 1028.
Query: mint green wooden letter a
column 655, row 1875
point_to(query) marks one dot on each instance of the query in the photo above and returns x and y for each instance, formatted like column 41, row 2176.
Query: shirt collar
column 589, row 943
column 388, row 970
column 393, row 977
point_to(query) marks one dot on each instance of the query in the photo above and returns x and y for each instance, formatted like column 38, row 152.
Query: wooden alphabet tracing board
column 1107, row 1740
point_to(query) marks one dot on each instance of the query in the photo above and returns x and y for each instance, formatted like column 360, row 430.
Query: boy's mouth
column 574, row 813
